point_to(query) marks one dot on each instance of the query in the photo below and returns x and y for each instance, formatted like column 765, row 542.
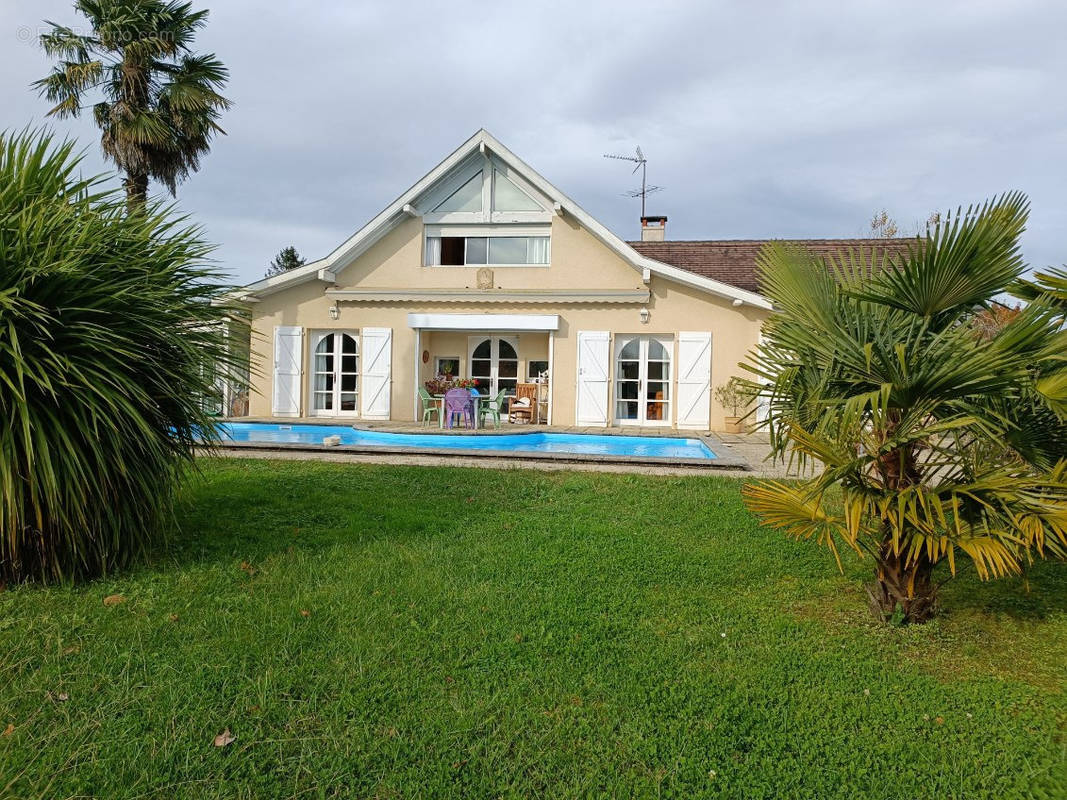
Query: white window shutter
column 594, row 349
column 694, row 380
column 288, row 363
column 377, row 353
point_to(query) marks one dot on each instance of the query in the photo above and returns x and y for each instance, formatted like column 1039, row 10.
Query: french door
column 494, row 363
column 335, row 374
column 643, row 380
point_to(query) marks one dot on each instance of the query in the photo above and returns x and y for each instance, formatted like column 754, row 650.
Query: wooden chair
column 655, row 410
column 517, row 409
column 542, row 402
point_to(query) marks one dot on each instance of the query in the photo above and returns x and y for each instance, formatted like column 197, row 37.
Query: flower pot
column 734, row 424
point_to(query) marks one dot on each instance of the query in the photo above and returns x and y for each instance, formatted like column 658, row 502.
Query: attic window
column 461, row 251
column 467, row 197
column 509, row 197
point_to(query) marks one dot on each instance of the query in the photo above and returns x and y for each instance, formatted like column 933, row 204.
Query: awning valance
column 484, row 322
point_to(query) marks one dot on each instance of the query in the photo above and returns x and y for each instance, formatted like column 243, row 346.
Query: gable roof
column 733, row 261
column 326, row 269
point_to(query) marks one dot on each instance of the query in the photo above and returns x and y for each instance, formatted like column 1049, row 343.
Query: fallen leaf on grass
column 62, row 697
column 10, row 729
column 114, row 600
column 173, row 617
column 224, row 738
column 305, row 613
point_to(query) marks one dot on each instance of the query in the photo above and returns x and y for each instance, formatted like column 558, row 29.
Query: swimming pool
column 581, row 444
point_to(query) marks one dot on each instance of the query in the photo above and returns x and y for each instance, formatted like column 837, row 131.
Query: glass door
column 494, row 363
column 643, row 380
column 335, row 375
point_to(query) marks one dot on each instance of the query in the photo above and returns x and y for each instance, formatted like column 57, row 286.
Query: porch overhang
column 540, row 296
column 484, row 322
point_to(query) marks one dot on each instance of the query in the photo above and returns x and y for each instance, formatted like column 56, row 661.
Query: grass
column 368, row 631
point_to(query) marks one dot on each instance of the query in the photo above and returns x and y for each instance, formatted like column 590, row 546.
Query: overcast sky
column 761, row 120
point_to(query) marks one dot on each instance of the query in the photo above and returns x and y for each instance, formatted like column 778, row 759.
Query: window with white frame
column 447, row 365
column 497, row 251
column 535, row 369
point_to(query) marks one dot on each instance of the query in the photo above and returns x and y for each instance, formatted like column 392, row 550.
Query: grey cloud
column 760, row 119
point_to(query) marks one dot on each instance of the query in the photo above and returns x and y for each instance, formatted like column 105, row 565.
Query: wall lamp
column 644, row 316
column 334, row 311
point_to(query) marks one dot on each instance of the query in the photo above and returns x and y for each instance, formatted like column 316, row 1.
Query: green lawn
column 371, row 631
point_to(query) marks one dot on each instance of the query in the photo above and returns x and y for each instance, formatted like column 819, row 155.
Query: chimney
column 653, row 229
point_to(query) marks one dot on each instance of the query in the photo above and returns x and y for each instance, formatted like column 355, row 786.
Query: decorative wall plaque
column 485, row 278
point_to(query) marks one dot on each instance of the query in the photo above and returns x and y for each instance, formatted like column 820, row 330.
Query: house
column 486, row 270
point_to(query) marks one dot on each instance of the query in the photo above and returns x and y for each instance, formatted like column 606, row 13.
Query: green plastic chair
column 494, row 407
column 429, row 406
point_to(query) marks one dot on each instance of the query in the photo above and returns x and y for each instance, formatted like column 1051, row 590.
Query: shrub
column 735, row 395
column 112, row 333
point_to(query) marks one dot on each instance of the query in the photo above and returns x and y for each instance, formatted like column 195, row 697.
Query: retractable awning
column 484, row 322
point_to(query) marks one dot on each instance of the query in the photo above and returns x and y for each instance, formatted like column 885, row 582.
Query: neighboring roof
column 733, row 261
column 326, row 269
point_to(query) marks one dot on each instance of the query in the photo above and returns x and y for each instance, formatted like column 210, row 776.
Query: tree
column 114, row 334
column 884, row 226
column 937, row 439
column 158, row 105
column 286, row 260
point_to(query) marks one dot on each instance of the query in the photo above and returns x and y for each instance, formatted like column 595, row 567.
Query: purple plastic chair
column 458, row 402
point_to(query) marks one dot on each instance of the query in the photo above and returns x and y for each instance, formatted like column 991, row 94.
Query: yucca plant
column 109, row 326
column 931, row 438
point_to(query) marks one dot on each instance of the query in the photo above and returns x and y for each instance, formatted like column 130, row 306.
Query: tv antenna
column 641, row 162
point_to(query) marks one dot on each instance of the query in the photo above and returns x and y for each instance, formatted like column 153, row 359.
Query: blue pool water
column 578, row 443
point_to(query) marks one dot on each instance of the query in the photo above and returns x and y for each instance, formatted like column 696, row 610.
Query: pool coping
column 721, row 462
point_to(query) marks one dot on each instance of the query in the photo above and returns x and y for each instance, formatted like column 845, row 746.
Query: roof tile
column 733, row 261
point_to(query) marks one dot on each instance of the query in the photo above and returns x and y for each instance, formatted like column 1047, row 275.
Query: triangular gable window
column 509, row 197
column 467, row 197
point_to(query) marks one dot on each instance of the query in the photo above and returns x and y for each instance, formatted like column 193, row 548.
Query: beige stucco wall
column 579, row 261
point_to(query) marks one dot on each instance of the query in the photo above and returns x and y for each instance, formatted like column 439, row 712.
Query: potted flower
column 735, row 397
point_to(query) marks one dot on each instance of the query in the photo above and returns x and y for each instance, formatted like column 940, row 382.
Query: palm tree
column 931, row 440
column 159, row 104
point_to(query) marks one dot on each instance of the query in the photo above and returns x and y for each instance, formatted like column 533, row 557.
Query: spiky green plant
column 157, row 103
column 1050, row 284
column 943, row 441
column 109, row 325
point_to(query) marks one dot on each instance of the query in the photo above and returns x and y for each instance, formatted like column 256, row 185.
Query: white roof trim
column 328, row 268
column 484, row 322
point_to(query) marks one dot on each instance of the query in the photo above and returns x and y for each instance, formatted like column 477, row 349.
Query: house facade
column 483, row 269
